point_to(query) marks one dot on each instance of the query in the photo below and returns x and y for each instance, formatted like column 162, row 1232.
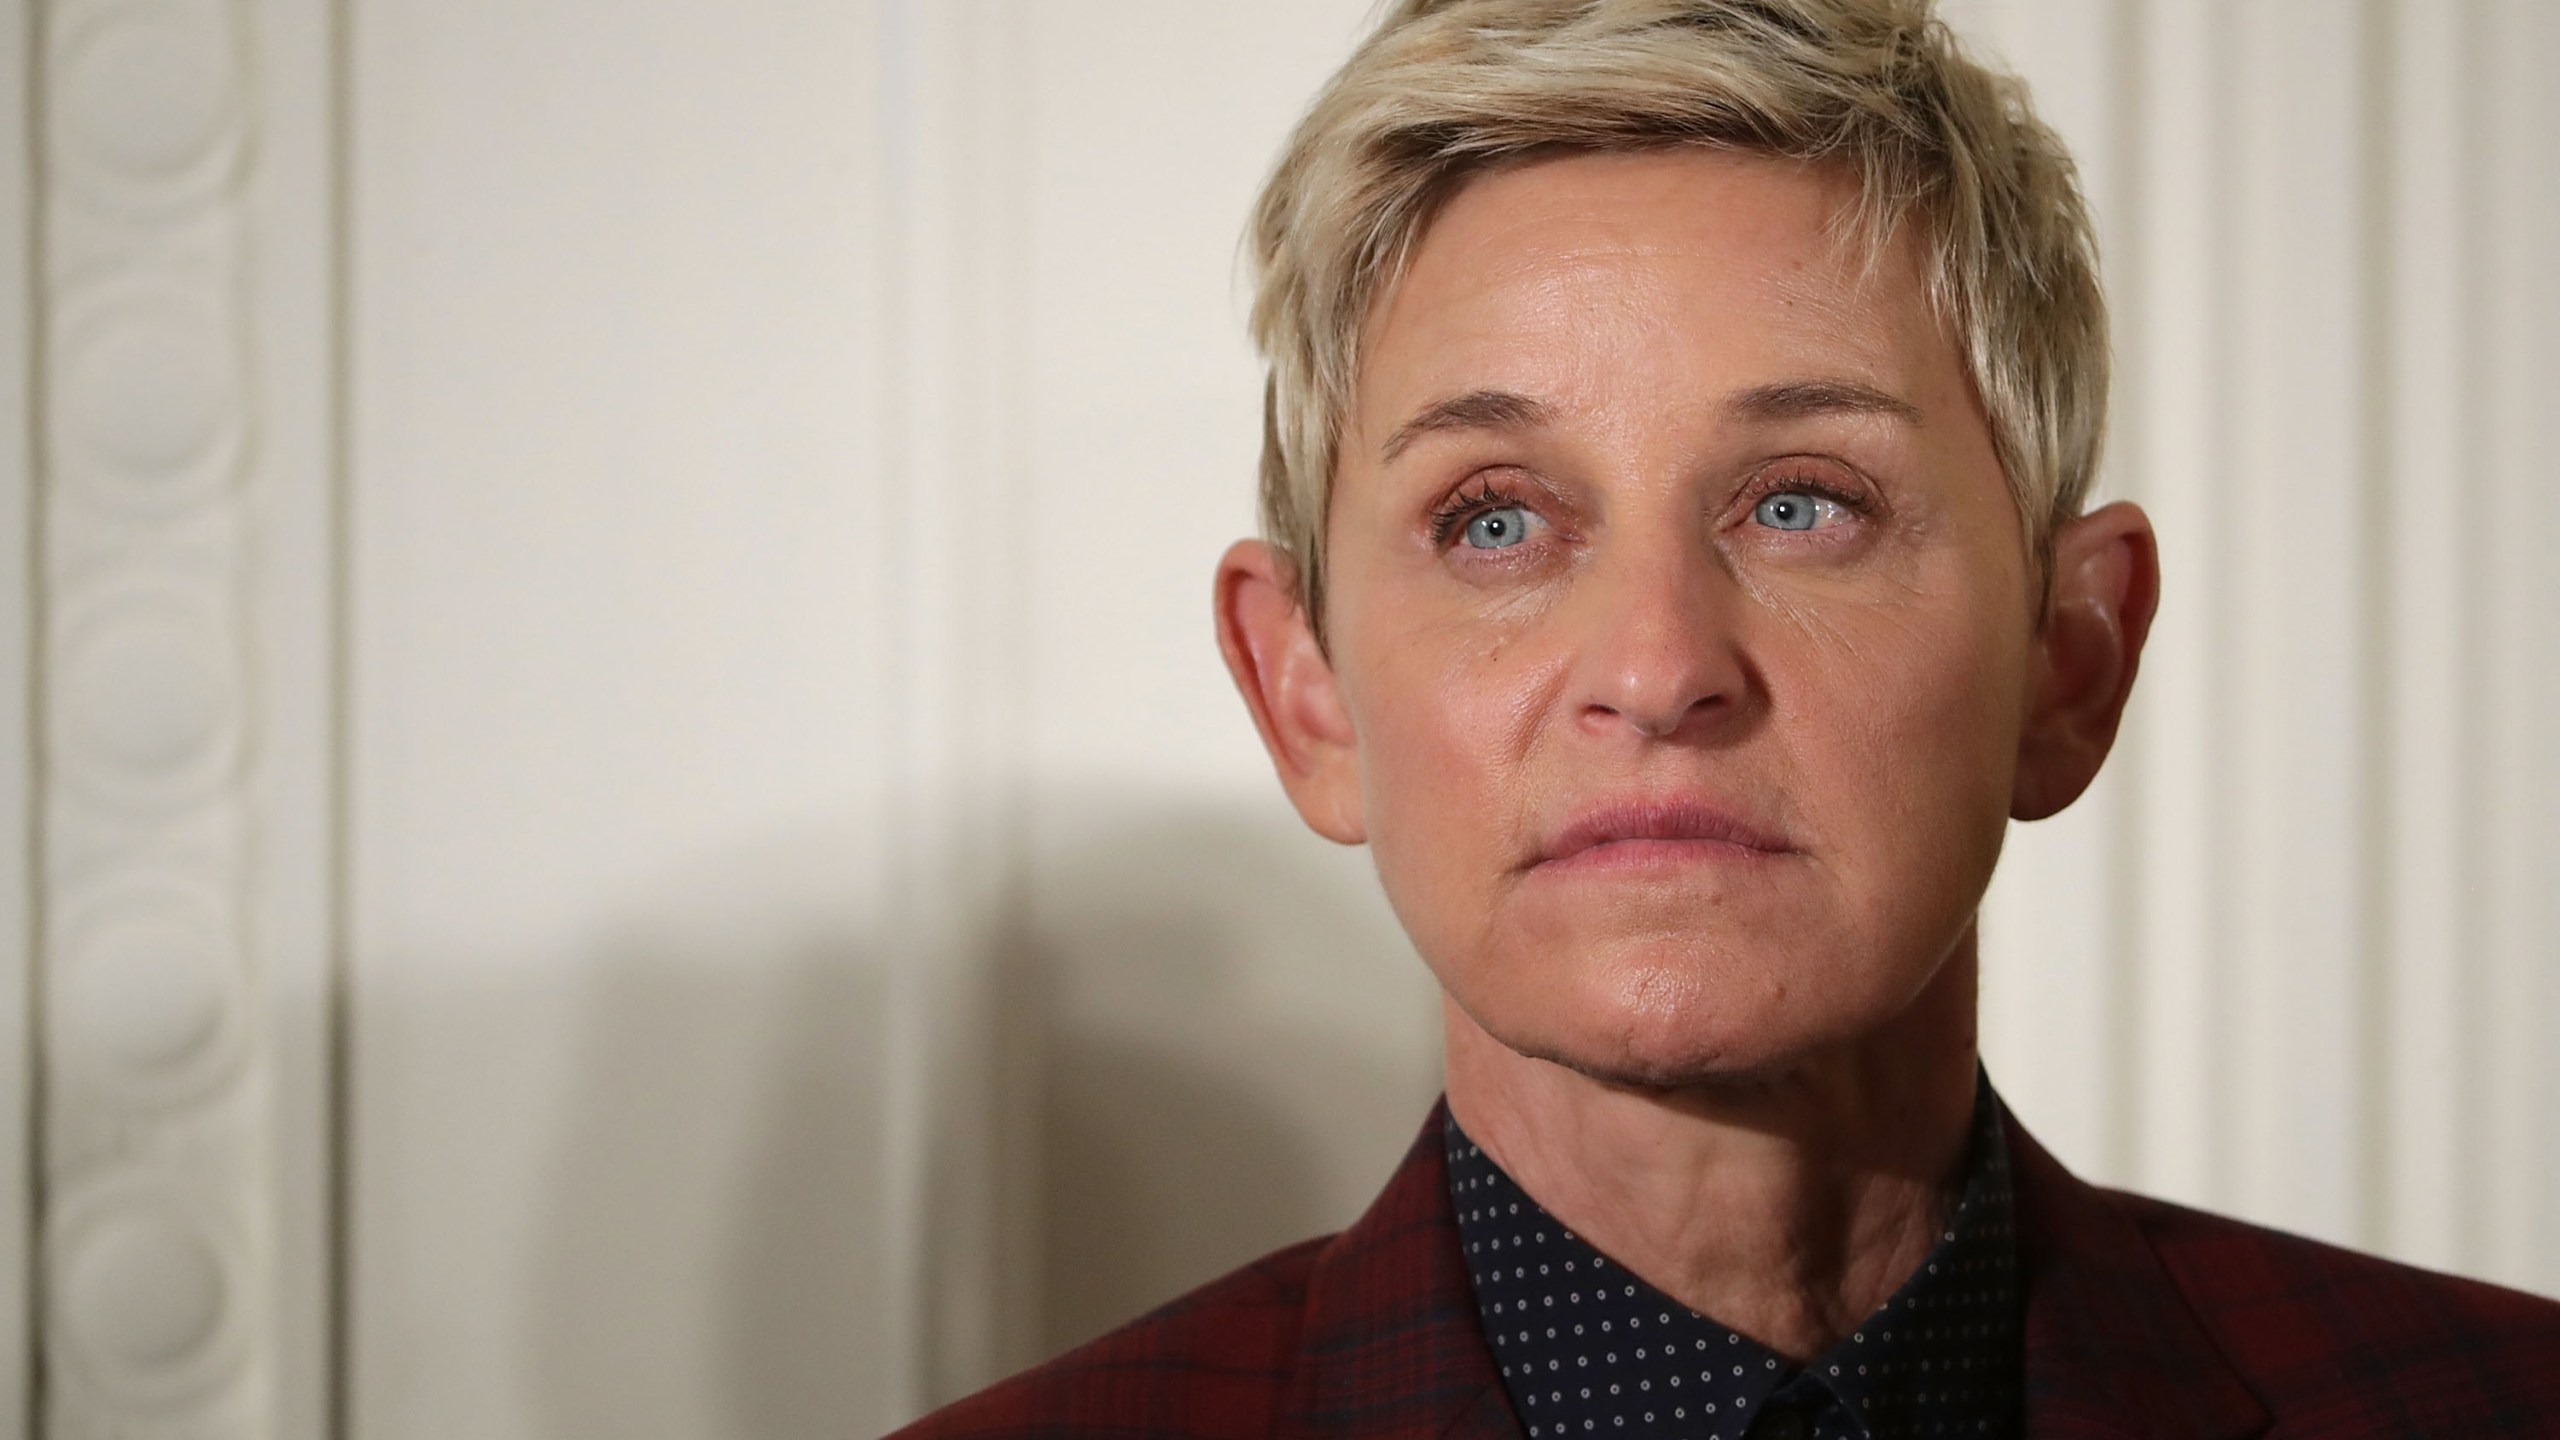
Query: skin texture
column 1767, row 634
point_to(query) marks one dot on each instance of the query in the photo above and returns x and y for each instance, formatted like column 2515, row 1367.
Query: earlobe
column 1289, row 685
column 2106, row 586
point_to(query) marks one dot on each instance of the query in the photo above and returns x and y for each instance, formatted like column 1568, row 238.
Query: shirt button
column 1780, row 1425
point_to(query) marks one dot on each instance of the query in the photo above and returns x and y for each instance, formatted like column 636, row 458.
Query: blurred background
column 625, row 821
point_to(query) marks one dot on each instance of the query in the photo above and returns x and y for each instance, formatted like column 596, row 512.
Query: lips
column 1660, row 829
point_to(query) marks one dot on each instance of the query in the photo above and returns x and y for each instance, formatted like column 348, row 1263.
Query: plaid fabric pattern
column 2142, row 1320
column 2145, row 1318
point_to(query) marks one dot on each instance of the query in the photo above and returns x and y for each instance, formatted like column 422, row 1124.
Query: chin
column 1654, row 1018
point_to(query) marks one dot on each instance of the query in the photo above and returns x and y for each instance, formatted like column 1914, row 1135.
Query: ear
column 1289, row 685
column 2106, row 586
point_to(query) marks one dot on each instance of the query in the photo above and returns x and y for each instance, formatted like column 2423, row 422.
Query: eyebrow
column 1779, row 400
column 1798, row 399
column 1474, row 410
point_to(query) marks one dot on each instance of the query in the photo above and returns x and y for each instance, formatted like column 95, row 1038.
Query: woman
column 1676, row 571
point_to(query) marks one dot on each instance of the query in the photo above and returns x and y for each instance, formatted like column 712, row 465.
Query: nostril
column 1659, row 702
column 1662, row 652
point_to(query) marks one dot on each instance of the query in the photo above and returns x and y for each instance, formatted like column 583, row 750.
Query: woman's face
column 1678, row 614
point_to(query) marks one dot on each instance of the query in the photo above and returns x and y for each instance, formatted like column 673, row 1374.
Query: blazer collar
column 2111, row 1347
column 1392, row 1346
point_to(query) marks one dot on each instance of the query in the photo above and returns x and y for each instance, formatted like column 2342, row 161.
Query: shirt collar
column 1585, row 1347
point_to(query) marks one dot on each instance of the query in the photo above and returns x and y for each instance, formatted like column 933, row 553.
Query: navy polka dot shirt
column 1587, row 1349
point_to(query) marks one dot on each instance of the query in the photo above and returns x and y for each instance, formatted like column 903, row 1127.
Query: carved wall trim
column 161, row 824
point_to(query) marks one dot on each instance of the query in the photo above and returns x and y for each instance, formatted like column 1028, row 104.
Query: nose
column 1661, row 651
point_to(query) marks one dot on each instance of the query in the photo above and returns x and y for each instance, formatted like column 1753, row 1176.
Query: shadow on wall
column 709, row 1257
column 1234, row 1044
column 1240, row 1045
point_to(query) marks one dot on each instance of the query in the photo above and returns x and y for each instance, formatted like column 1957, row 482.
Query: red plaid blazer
column 2143, row 1319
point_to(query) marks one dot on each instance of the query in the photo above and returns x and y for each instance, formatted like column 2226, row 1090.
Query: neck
column 1787, row 1205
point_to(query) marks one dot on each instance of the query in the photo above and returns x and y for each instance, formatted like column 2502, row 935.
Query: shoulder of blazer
column 2150, row 1319
column 2333, row 1339
column 1372, row 1332
column 1214, row 1363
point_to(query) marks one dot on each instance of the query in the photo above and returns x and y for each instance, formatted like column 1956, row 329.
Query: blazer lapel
column 2111, row 1346
column 1392, row 1347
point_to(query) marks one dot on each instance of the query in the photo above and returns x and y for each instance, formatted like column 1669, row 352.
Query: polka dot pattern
column 1588, row 1349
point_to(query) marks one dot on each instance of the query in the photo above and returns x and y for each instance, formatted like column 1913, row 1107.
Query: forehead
column 1571, row 277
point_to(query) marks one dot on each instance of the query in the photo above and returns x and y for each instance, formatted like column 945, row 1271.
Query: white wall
column 617, row 1027
column 818, row 916
column 2295, row 957
column 682, row 652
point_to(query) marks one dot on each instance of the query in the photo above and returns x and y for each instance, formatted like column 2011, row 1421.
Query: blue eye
column 1498, row 529
column 1794, row 510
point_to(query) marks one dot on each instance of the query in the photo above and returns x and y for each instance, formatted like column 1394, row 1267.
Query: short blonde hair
column 1444, row 89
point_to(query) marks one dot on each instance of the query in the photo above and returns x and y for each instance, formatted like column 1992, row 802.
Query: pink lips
column 1651, row 832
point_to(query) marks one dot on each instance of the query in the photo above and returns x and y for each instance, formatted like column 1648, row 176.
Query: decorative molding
column 144, row 104
column 146, row 414
column 153, row 1301
column 147, row 1009
column 157, row 1174
column 146, row 712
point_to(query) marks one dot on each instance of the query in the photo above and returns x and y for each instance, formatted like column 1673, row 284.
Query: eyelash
column 1779, row 483
column 1464, row 505
column 1451, row 514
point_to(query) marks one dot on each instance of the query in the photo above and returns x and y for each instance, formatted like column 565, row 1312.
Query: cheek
column 1919, row 701
column 1446, row 717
